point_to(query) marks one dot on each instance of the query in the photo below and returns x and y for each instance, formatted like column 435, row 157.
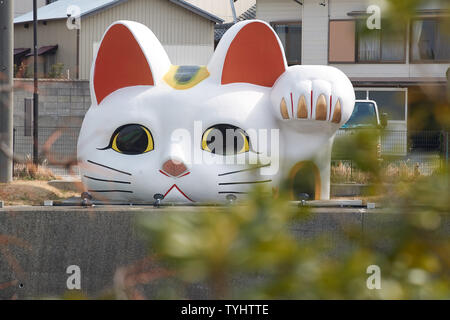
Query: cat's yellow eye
column 225, row 139
column 245, row 146
column 205, row 140
column 132, row 139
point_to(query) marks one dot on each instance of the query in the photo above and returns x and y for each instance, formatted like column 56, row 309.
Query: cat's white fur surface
column 165, row 110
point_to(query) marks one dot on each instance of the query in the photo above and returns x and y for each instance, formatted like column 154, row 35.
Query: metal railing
column 401, row 143
column 61, row 141
column 401, row 153
column 62, row 148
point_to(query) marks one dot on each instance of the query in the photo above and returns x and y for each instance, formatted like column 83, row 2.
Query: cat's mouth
column 175, row 189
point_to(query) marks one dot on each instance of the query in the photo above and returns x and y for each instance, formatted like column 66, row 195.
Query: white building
column 385, row 66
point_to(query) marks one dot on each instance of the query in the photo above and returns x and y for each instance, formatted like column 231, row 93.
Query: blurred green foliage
column 56, row 70
column 253, row 250
column 255, row 244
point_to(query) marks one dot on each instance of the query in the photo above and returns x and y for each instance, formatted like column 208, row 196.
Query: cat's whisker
column 110, row 168
column 243, row 182
column 105, row 180
column 99, row 191
column 243, row 170
column 235, row 192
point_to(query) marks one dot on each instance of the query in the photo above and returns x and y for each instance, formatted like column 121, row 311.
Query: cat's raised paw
column 299, row 109
column 313, row 94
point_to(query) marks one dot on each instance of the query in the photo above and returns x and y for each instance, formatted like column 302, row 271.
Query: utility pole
column 6, row 87
column 35, row 92
column 233, row 11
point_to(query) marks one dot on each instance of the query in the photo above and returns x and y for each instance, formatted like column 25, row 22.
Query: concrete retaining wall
column 101, row 240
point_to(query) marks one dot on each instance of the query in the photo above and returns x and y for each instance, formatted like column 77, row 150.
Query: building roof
column 44, row 50
column 248, row 14
column 21, row 51
column 58, row 9
column 220, row 30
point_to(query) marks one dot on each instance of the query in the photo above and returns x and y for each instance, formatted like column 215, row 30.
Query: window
column 378, row 45
column 47, row 62
column 360, row 95
column 429, row 41
column 290, row 34
column 393, row 103
column 46, row 59
column 389, row 100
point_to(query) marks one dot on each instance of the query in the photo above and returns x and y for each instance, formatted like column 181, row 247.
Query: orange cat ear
column 129, row 55
column 249, row 52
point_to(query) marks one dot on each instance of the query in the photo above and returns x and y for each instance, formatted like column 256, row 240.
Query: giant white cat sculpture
column 154, row 128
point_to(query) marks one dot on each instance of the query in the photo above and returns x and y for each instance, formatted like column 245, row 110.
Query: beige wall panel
column 280, row 10
column 172, row 24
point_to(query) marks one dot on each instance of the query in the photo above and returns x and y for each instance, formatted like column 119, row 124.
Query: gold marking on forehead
column 185, row 77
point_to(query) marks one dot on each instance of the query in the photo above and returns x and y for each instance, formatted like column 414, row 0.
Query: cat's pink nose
column 174, row 167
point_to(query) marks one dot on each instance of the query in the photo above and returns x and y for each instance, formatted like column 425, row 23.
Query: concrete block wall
column 62, row 103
